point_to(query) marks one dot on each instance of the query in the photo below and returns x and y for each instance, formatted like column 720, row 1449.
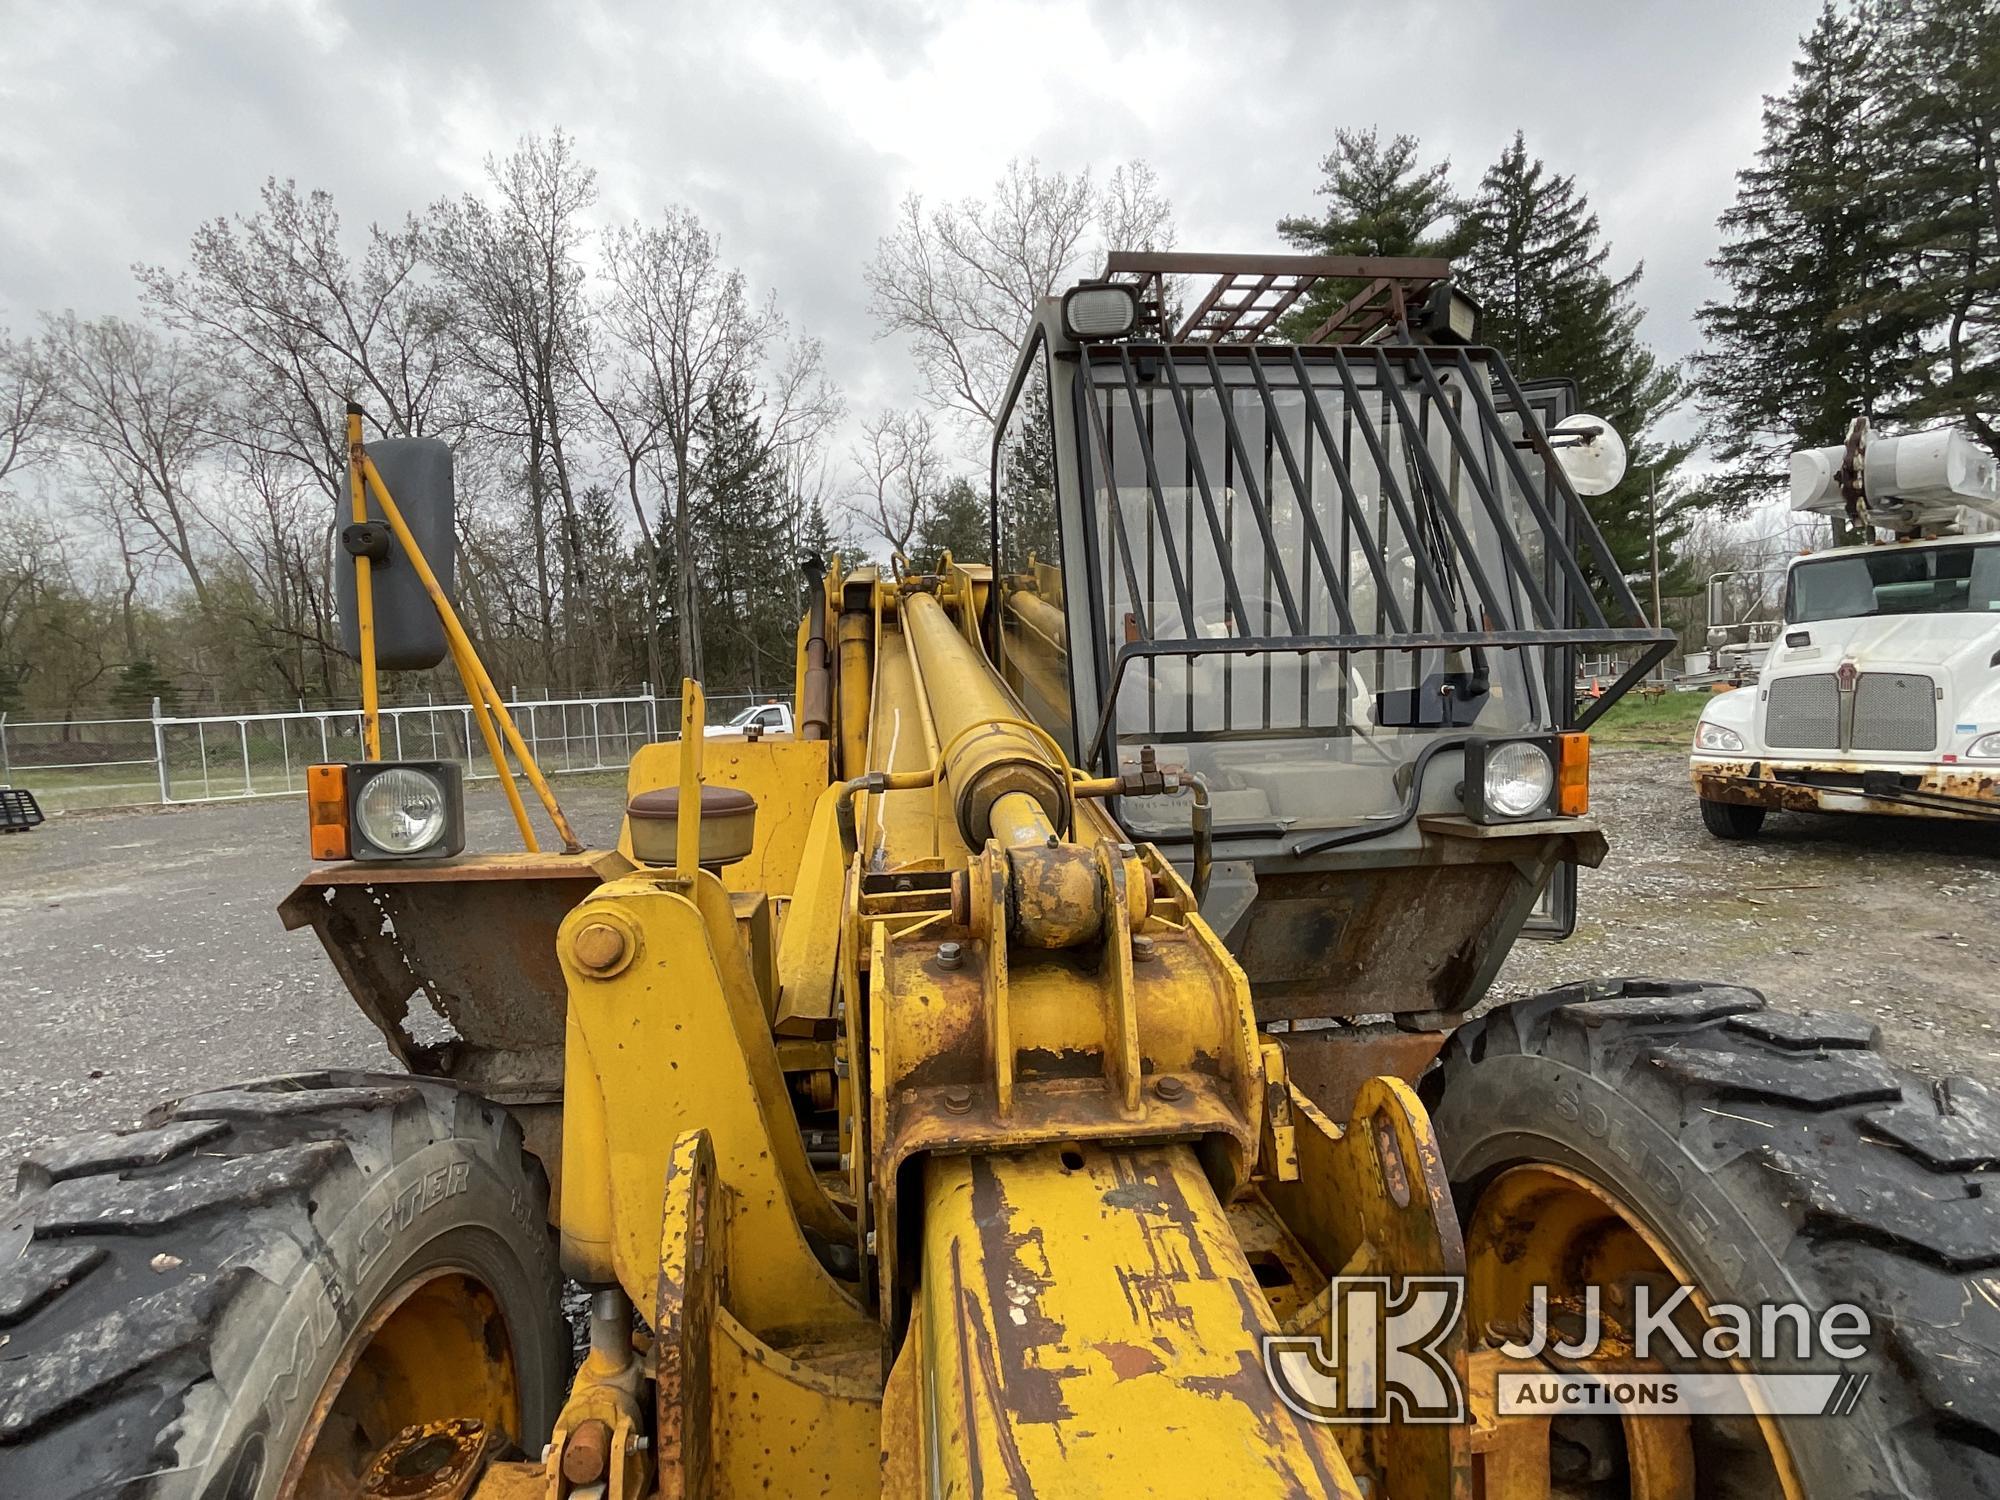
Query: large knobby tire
column 1731, row 820
column 1778, row 1156
column 176, row 1301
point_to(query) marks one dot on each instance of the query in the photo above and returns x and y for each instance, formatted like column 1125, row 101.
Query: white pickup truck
column 1881, row 693
column 762, row 719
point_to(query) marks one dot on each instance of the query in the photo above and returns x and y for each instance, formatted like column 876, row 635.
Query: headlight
column 1507, row 781
column 1986, row 747
column 406, row 811
column 1709, row 736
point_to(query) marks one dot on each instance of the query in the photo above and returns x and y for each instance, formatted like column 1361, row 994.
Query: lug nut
column 950, row 955
column 1170, row 1088
column 958, row 1100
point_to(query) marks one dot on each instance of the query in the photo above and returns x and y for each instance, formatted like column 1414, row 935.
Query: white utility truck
column 1881, row 693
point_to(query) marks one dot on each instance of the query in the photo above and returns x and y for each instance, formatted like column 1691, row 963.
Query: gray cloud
column 795, row 127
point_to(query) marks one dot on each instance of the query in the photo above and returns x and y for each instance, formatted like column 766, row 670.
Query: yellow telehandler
column 1055, row 1069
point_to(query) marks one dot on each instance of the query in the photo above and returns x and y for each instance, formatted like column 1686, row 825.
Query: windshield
column 1311, row 503
column 751, row 713
column 1896, row 581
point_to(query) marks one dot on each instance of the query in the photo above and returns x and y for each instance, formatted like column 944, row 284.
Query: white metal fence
column 170, row 758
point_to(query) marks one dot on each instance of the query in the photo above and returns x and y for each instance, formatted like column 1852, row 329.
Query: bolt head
column 1144, row 950
column 1170, row 1087
column 950, row 955
column 599, row 947
column 958, row 1100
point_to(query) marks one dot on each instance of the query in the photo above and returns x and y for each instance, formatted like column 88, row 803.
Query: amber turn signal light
column 326, row 811
column 1573, row 774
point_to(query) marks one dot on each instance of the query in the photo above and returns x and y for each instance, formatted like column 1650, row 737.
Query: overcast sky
column 794, row 128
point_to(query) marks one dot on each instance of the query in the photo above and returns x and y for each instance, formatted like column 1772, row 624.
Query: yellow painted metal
column 693, row 1231
column 786, row 1426
column 434, row 1349
column 364, row 591
column 483, row 716
column 809, row 945
column 677, row 1039
column 694, row 725
column 1550, row 1226
column 901, row 830
column 1371, row 1198
column 988, row 751
column 455, row 633
column 856, row 668
column 1091, row 1328
column 786, row 777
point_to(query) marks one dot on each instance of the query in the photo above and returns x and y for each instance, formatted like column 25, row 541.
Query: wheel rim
column 435, row 1349
column 1546, row 1225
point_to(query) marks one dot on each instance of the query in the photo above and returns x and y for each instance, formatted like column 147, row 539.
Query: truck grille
column 1803, row 713
column 1895, row 711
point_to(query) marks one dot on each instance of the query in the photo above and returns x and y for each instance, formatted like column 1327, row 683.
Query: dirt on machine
column 1055, row 1064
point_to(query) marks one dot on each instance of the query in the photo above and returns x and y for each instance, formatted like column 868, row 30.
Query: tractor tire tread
column 1864, row 1183
column 138, row 1269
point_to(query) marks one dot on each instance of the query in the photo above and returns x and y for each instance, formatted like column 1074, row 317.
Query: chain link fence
column 171, row 759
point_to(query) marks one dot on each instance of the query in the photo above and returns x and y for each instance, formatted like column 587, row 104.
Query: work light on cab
column 1099, row 311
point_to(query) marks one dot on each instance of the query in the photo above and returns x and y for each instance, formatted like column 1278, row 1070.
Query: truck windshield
column 1893, row 580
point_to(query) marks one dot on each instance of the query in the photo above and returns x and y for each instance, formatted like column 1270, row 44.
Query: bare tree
column 685, row 321
column 302, row 328
column 28, row 404
column 514, row 269
column 143, row 406
column 901, row 470
column 962, row 281
column 618, row 386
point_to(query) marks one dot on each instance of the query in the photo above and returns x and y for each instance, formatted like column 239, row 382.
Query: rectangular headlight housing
column 1099, row 310
column 393, row 810
column 1513, row 779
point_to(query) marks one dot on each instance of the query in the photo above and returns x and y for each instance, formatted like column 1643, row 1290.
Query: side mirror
column 408, row 634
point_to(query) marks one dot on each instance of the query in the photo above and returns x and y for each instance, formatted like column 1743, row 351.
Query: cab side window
column 1034, row 631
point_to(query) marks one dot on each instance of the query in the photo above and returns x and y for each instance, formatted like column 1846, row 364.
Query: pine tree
column 1803, row 343
column 953, row 521
column 1537, row 263
column 743, row 525
column 1380, row 202
column 1937, row 70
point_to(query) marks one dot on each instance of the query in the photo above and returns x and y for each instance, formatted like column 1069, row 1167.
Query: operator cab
column 1313, row 569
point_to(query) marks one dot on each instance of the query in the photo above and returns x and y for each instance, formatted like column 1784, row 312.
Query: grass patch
column 1666, row 723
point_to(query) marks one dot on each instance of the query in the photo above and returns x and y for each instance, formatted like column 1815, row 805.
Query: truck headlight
column 1509, row 781
column 1709, row 736
column 1986, row 747
column 406, row 811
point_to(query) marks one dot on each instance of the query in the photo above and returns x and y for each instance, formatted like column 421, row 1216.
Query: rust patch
column 1129, row 1361
column 1166, row 1226
column 972, row 1340
column 1023, row 1334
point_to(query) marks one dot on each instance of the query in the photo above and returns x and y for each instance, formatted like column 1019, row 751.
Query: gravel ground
column 141, row 956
